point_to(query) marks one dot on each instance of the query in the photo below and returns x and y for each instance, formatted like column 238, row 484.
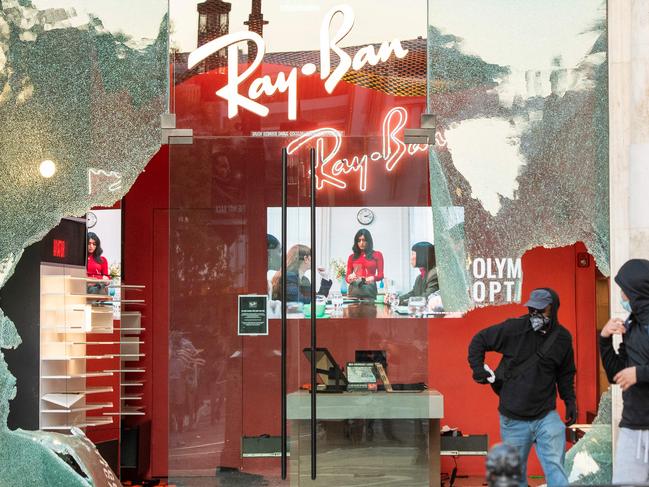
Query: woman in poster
column 298, row 286
column 422, row 257
column 97, row 266
column 364, row 266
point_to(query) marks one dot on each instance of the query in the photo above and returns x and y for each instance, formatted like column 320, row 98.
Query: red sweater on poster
column 364, row 267
column 96, row 270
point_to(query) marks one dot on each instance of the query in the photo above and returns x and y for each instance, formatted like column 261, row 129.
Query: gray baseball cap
column 539, row 299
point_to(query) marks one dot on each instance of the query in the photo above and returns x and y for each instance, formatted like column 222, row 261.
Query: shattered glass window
column 520, row 92
column 589, row 461
column 82, row 88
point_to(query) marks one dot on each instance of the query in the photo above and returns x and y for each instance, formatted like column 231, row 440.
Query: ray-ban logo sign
column 283, row 83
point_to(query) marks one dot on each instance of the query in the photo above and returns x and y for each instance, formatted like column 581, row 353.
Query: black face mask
column 538, row 320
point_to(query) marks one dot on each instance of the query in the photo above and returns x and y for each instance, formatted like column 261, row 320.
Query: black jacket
column 298, row 288
column 423, row 287
column 633, row 278
column 531, row 394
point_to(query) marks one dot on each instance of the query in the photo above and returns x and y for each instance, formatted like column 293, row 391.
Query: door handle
column 283, row 298
column 313, row 315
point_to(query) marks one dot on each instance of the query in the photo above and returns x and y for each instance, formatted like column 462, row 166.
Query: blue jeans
column 549, row 434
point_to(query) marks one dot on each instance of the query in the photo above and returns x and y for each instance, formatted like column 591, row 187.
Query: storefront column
column 629, row 144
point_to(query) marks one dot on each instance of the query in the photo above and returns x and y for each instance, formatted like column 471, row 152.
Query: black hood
column 554, row 308
column 633, row 279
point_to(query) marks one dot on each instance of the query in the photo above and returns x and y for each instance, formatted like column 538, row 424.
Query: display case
column 131, row 368
column 68, row 313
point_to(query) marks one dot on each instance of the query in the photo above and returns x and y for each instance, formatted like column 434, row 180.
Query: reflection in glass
column 522, row 142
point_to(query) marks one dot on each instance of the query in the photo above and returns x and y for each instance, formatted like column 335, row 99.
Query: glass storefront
column 306, row 189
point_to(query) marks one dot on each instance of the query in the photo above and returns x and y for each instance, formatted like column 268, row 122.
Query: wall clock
column 365, row 216
column 91, row 219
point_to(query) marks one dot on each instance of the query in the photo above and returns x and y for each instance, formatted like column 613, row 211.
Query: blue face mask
column 626, row 305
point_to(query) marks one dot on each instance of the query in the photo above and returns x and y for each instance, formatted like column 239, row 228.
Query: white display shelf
column 85, row 375
column 128, row 411
column 132, row 384
column 62, row 427
column 101, row 297
column 98, row 421
column 131, row 397
column 79, row 357
column 87, row 407
column 85, row 392
column 68, row 314
column 95, row 311
column 74, row 278
column 63, row 399
column 64, row 329
column 127, row 371
column 107, row 343
column 98, row 390
column 89, row 421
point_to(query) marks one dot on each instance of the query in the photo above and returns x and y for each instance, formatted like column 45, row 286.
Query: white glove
column 492, row 378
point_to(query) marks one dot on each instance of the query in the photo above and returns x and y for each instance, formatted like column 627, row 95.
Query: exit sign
column 58, row 248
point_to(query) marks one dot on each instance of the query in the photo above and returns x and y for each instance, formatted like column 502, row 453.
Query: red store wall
column 253, row 184
column 471, row 407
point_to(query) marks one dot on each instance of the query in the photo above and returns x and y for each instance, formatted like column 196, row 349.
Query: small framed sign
column 253, row 317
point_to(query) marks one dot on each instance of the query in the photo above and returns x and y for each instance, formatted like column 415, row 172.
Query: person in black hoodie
column 629, row 368
column 538, row 359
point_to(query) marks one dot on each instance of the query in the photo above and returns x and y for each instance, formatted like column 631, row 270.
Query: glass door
column 224, row 371
column 373, row 412
column 230, row 228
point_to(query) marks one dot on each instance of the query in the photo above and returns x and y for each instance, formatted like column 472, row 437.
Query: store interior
column 184, row 392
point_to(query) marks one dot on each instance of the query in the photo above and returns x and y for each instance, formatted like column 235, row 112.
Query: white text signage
column 282, row 83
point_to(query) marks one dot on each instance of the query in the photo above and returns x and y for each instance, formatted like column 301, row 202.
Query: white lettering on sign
column 331, row 168
column 495, row 279
column 268, row 86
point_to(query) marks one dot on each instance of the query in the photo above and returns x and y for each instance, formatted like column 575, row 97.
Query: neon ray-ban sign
column 331, row 168
column 282, row 83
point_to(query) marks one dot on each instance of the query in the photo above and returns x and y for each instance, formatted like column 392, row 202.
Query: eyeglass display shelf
column 138, row 342
column 132, row 384
column 68, row 398
column 126, row 371
column 87, row 407
column 94, row 310
column 50, row 396
column 74, row 278
column 80, row 328
column 86, row 375
column 78, row 357
column 65, row 328
column 89, row 422
column 103, row 297
column 135, row 397
column 128, row 411
column 63, row 399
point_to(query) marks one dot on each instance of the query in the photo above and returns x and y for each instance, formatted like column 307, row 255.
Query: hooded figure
column 422, row 256
column 629, row 368
column 537, row 360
